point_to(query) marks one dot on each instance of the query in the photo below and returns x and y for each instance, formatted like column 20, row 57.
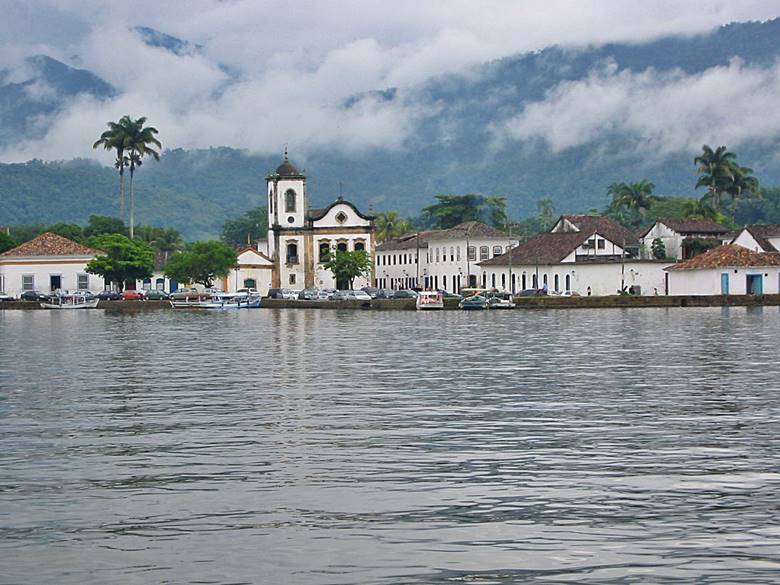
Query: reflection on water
column 329, row 447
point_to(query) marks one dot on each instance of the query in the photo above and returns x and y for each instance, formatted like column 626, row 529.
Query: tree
column 658, row 249
column 114, row 139
column 720, row 173
column 6, row 242
column 202, row 262
column 139, row 142
column 346, row 266
column 633, row 197
column 71, row 231
column 166, row 241
column 246, row 229
column 100, row 224
column 452, row 210
column 389, row 224
column 124, row 259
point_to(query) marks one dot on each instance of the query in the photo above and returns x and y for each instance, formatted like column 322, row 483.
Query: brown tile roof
column 471, row 229
column 730, row 255
column 405, row 242
column 545, row 249
column 691, row 226
column 49, row 244
column 762, row 232
column 605, row 226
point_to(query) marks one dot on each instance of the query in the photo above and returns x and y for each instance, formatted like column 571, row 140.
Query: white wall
column 329, row 219
column 707, row 281
column 41, row 268
column 671, row 239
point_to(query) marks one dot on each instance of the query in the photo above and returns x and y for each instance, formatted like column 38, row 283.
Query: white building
column 255, row 270
column 759, row 238
column 439, row 259
column 585, row 262
column 727, row 270
column 48, row 263
column 300, row 239
column 674, row 232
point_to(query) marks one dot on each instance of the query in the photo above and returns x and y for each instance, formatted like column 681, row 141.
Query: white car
column 360, row 295
column 570, row 293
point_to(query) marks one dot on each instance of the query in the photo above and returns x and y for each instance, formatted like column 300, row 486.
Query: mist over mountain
column 559, row 123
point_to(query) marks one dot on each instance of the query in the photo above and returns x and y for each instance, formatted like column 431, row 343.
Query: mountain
column 451, row 150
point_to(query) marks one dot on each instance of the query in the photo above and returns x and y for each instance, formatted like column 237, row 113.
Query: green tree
column 124, row 259
column 71, row 231
column 451, row 210
column 246, row 229
column 202, row 262
column 635, row 198
column 658, row 249
column 139, row 142
column 114, row 139
column 346, row 266
column 6, row 242
column 166, row 241
column 100, row 224
column 720, row 173
column 389, row 224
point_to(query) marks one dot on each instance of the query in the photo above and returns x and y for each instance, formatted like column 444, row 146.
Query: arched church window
column 341, row 246
column 360, row 246
column 289, row 201
column 324, row 251
column 292, row 253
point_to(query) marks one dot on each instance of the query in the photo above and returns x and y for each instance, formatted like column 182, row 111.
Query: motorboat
column 500, row 300
column 429, row 299
column 66, row 300
column 473, row 303
column 220, row 301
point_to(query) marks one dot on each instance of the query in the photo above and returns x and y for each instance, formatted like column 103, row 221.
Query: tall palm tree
column 114, row 139
column 632, row 196
column 168, row 240
column 716, row 172
column 389, row 224
column 139, row 142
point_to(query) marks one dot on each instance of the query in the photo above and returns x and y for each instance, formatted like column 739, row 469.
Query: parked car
column 449, row 295
column 88, row 294
column 351, row 295
column 570, row 293
column 156, row 295
column 385, row 293
column 309, row 294
column 186, row 293
column 326, row 294
column 33, row 295
column 371, row 291
column 132, row 295
column 532, row 292
column 405, row 294
column 109, row 295
column 282, row 293
column 4, row 297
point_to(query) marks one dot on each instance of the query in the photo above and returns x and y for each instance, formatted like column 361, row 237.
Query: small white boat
column 220, row 301
column 500, row 300
column 65, row 300
column 429, row 299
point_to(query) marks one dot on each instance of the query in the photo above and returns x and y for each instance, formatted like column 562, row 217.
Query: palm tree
column 700, row 209
column 389, row 224
column 140, row 141
column 716, row 172
column 114, row 139
column 168, row 240
column 632, row 196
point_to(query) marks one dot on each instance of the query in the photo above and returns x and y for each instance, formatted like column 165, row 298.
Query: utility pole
column 511, row 287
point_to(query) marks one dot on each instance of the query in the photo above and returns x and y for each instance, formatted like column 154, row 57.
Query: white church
column 301, row 239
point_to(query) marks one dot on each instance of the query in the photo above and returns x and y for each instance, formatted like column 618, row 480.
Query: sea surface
column 353, row 447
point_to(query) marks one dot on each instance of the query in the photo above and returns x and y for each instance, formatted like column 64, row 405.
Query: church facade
column 301, row 239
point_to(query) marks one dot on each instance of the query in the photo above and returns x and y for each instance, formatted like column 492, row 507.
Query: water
column 339, row 447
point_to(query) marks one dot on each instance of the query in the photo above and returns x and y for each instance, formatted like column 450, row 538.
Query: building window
column 2, row 283
column 591, row 243
column 484, row 279
column 493, row 280
column 457, row 253
column 544, row 278
column 557, row 283
column 28, row 282
column 437, row 255
column 341, row 217
column 497, row 251
column 250, row 283
column 289, row 201
column 292, row 279
column 292, row 253
column 503, row 281
column 324, row 251
column 602, row 244
column 160, row 284
column 341, row 246
column 147, row 284
column 452, row 254
column 472, row 252
column 82, row 281
column 360, row 246
column 568, row 282
column 523, row 282
column 484, row 252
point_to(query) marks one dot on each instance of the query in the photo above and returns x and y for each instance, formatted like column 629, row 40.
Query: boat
column 220, row 301
column 473, row 303
column 66, row 300
column 429, row 299
column 500, row 300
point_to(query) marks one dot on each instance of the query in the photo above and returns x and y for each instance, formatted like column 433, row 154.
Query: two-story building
column 676, row 233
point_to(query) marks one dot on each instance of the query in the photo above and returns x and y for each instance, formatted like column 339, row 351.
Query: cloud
column 665, row 112
column 273, row 72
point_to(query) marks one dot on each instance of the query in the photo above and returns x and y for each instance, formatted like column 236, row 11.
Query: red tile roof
column 49, row 244
column 549, row 248
column 728, row 256
column 691, row 226
column 605, row 226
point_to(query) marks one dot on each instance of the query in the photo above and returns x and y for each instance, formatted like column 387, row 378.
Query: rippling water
column 340, row 447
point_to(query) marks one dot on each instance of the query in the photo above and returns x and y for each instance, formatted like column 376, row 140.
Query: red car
column 132, row 295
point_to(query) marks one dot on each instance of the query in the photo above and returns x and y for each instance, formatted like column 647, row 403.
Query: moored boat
column 220, row 301
column 427, row 300
column 500, row 300
column 473, row 303
column 65, row 300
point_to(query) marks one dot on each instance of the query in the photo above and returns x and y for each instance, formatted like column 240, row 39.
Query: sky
column 262, row 74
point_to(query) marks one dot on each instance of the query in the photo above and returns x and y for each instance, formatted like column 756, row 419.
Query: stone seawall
column 550, row 302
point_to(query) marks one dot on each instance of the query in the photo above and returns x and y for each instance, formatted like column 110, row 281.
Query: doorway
column 55, row 282
column 754, row 284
